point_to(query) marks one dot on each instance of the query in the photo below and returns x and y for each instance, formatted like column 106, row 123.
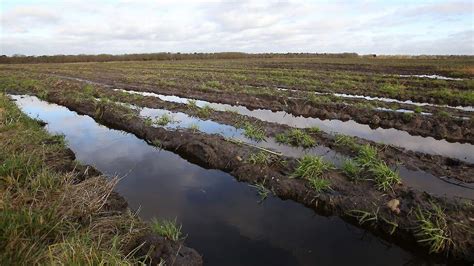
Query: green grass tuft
column 310, row 167
column 296, row 137
column 384, row 177
column 253, row 132
column 163, row 120
column 433, row 230
column 352, row 169
column 346, row 141
column 167, row 228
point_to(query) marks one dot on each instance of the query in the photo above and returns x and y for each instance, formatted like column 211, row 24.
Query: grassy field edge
column 56, row 211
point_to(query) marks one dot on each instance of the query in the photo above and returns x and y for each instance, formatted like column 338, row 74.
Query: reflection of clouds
column 390, row 136
column 212, row 205
column 426, row 182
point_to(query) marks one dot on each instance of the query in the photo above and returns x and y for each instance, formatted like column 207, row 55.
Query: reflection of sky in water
column 416, row 179
column 221, row 216
column 391, row 136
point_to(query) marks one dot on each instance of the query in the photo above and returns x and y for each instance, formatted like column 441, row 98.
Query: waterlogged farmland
column 277, row 161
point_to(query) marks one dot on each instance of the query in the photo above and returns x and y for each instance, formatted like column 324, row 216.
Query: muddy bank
column 453, row 130
column 437, row 165
column 214, row 152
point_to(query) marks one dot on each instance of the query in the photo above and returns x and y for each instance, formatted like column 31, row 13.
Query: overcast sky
column 113, row 26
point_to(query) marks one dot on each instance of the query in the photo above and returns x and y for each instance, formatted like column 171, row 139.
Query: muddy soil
column 214, row 151
column 453, row 130
column 437, row 165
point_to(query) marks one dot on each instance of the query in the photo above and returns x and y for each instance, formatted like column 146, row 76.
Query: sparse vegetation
column 432, row 229
column 263, row 192
column 352, row 169
column 407, row 117
column 346, row 141
column 296, row 137
column 167, row 228
column 263, row 158
column 384, row 177
column 205, row 111
column 310, row 167
column 194, row 128
column 253, row 132
column 365, row 216
column 163, row 120
column 392, row 89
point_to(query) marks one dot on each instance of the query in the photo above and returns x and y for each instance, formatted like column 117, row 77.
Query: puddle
column 221, row 216
column 430, row 77
column 390, row 136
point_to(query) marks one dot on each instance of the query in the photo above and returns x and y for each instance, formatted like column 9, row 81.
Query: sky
column 47, row 27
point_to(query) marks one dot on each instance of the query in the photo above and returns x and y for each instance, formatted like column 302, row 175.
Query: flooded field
column 221, row 217
column 275, row 162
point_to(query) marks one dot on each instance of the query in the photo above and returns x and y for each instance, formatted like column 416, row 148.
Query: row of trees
column 22, row 59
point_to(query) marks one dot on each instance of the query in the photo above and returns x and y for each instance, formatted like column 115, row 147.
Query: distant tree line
column 23, row 59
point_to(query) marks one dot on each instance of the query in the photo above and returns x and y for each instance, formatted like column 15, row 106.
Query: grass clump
column 319, row 184
column 392, row 89
column 367, row 162
column 192, row 104
column 194, row 128
column 205, row 111
column 311, row 166
column 148, row 121
column 352, row 169
column 443, row 114
column 166, row 228
column 433, row 230
column 262, row 158
column 314, row 130
column 253, row 132
column 157, row 143
column 367, row 155
column 346, row 141
column 407, row 117
column 296, row 137
column 418, row 110
column 263, row 192
column 163, row 120
column 312, row 169
column 384, row 177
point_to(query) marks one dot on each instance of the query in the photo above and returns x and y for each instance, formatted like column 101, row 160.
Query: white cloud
column 71, row 27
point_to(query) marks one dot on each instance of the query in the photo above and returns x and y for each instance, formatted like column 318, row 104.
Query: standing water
column 221, row 217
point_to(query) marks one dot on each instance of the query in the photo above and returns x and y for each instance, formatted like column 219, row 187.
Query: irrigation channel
column 223, row 219
column 400, row 138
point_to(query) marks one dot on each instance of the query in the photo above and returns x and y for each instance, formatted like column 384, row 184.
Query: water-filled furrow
column 434, row 76
column 390, row 136
column 221, row 217
column 383, row 99
column 390, row 100
column 419, row 180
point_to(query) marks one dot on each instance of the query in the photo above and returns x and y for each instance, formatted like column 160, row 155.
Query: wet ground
column 223, row 218
column 417, row 179
column 461, row 151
